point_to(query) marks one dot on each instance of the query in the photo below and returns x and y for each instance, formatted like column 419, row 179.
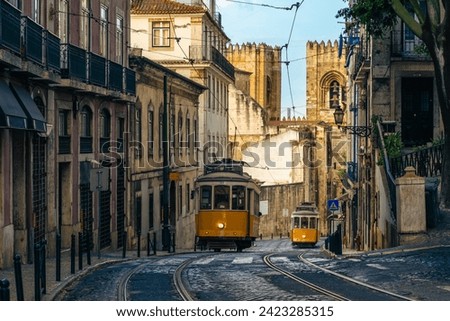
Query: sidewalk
column 53, row 286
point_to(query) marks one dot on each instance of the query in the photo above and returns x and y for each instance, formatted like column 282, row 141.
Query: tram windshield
column 304, row 222
column 222, row 197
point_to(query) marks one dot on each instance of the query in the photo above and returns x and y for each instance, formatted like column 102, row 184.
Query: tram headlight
column 221, row 225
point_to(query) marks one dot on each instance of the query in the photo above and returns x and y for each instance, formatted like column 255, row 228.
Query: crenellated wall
column 263, row 64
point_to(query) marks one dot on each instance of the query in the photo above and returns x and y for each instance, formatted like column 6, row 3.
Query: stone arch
column 325, row 85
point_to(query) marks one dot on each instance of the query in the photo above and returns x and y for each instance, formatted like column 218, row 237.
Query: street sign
column 333, row 205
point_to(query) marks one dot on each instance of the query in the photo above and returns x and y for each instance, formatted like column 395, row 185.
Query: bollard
column 281, row 236
column 43, row 269
column 149, row 244
column 154, row 243
column 18, row 277
column 58, row 257
column 80, row 251
column 260, row 236
column 87, row 243
column 72, row 254
column 4, row 290
column 124, row 245
column 173, row 242
column 138, row 244
column 37, row 272
column 271, row 236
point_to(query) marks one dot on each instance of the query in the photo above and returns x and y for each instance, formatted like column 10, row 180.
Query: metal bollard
column 80, row 251
column 72, row 254
column 124, row 245
column 58, row 257
column 138, row 244
column 281, row 235
column 173, row 241
column 4, row 290
column 260, row 236
column 149, row 244
column 271, row 236
column 154, row 243
column 87, row 243
column 37, row 272
column 18, row 277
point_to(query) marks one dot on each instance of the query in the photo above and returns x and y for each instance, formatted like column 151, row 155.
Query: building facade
column 326, row 88
column 164, row 212
column 187, row 37
column 393, row 91
column 64, row 71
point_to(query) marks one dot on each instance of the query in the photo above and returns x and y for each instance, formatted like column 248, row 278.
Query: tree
column 430, row 21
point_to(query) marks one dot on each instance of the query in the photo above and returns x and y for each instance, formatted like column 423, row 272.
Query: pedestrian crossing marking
column 378, row 266
column 242, row 260
column 204, row 261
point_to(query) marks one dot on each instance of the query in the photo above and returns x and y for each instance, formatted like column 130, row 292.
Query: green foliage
column 376, row 15
column 393, row 144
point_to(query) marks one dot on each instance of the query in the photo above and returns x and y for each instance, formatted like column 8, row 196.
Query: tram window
column 205, row 202
column 304, row 222
column 312, row 222
column 222, row 197
column 296, row 222
column 238, row 198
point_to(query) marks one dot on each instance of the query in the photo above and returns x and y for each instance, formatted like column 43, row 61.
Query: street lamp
column 362, row 131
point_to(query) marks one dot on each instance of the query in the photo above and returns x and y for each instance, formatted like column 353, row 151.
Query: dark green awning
column 11, row 113
column 35, row 119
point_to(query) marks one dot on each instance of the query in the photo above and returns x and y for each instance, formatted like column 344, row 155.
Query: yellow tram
column 228, row 207
column 305, row 225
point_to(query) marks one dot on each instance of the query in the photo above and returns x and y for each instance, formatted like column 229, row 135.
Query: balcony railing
column 97, row 70
column 33, row 40
column 64, row 145
column 130, row 81
column 426, row 161
column 86, row 145
column 27, row 39
column 52, row 51
column 200, row 53
column 73, row 62
column 10, row 27
column 115, row 76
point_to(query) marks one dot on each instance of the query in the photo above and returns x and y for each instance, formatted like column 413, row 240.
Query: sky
column 256, row 21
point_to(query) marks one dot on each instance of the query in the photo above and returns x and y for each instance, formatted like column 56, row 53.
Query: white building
column 188, row 39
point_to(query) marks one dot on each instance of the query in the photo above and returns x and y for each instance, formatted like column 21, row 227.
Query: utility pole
column 166, row 195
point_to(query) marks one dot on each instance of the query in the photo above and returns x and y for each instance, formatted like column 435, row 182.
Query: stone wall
column 282, row 200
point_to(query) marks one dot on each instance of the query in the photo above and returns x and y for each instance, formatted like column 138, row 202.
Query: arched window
column 180, row 132
column 150, row 121
column 138, row 132
column 86, row 122
column 105, row 124
column 335, row 94
column 105, row 130
column 188, row 133
column 86, row 130
column 161, row 131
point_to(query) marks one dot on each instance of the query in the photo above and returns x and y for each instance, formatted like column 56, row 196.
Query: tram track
column 302, row 281
column 332, row 284
column 349, row 279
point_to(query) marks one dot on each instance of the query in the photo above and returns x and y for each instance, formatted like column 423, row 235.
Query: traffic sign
column 333, row 205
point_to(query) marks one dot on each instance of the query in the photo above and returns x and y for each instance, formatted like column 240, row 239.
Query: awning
column 35, row 119
column 11, row 113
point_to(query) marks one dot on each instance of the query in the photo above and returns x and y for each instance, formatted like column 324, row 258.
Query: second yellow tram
column 305, row 225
